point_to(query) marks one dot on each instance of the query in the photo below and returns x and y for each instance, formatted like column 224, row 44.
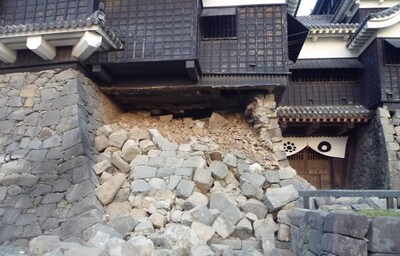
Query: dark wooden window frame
column 232, row 35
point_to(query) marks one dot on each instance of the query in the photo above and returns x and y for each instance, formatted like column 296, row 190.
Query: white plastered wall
column 328, row 47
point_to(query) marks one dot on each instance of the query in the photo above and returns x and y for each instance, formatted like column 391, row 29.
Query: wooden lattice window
column 219, row 27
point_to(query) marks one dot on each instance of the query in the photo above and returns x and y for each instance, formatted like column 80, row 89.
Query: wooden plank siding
column 371, row 78
column 15, row 12
column 260, row 46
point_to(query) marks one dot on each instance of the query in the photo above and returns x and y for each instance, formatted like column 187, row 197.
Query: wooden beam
column 7, row 55
column 103, row 74
column 87, row 45
column 344, row 128
column 41, row 47
column 192, row 71
column 312, row 128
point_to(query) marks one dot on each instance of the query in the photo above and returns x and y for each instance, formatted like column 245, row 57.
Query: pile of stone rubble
column 162, row 198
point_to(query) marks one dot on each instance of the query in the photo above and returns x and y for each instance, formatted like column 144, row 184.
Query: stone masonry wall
column 374, row 153
column 48, row 121
column 323, row 233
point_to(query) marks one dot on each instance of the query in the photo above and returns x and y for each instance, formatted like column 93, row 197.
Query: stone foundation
column 47, row 125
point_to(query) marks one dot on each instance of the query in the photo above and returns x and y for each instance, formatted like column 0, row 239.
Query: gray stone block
column 45, row 210
column 256, row 207
column 140, row 186
column 223, row 227
column 383, row 235
column 250, row 190
column 123, row 223
column 314, row 242
column 184, row 188
column 165, row 171
column 203, row 179
column 10, row 216
column 218, row 169
column 107, row 191
column 78, row 191
column 255, row 179
column 71, row 138
column 162, row 142
column 343, row 245
column 50, row 118
column 218, row 200
column 73, row 227
column 120, row 163
column 272, row 176
column 143, row 172
column 315, row 219
column 188, row 172
column 52, row 198
column 276, row 198
column 347, row 224
column 37, row 155
column 21, row 201
column 61, row 185
column 203, row 215
column 41, row 189
column 156, row 162
column 244, row 229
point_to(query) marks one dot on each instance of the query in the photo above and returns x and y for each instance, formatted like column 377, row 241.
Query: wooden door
column 314, row 167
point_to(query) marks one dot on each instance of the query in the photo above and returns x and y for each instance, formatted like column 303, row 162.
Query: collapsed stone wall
column 342, row 233
column 48, row 121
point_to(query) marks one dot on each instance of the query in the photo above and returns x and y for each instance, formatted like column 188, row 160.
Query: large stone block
column 256, row 207
column 343, row 245
column 218, row 200
column 161, row 141
column 347, row 224
column 118, row 138
column 143, row 172
column 276, row 198
column 73, row 227
column 120, row 163
column 107, row 191
column 384, row 236
column 184, row 188
column 203, row 179
column 219, row 170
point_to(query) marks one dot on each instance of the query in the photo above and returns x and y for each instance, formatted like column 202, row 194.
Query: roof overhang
column 84, row 36
column 395, row 42
column 297, row 35
column 352, row 63
column 371, row 27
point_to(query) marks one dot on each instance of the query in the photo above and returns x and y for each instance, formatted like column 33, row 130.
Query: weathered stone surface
column 142, row 245
column 250, row 190
column 347, row 224
column 165, row 171
column 119, row 162
column 140, row 186
column 287, row 173
column 139, row 160
column 265, row 227
column 119, row 247
column 203, row 250
column 256, row 207
column 203, row 179
column 196, row 199
column 107, row 191
column 123, row 223
column 27, row 180
column 42, row 244
column 118, row 138
column 316, row 219
column 180, row 238
column 195, row 162
column 103, row 166
column 202, row 214
column 203, row 232
column 217, row 121
column 255, row 179
column 230, row 160
column 218, row 200
column 157, row 219
column 146, row 145
column 283, row 233
column 244, row 229
column 73, row 227
column 219, row 170
column 50, row 118
column 143, row 172
column 384, row 236
column 272, row 176
column 184, row 188
column 130, row 150
column 275, row 198
column 145, row 228
column 223, row 227
column 343, row 245
column 101, row 142
column 162, row 142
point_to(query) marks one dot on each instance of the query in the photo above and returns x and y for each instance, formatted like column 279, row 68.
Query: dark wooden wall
column 371, row 58
column 38, row 11
column 260, row 47
column 323, row 87
column 153, row 30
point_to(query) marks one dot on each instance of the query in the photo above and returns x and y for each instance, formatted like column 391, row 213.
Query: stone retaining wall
column 376, row 161
column 323, row 233
column 47, row 125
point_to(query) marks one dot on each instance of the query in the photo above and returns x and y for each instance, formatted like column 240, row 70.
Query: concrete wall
column 47, row 127
column 324, row 233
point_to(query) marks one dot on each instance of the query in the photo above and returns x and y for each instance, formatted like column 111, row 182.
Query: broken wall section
column 48, row 121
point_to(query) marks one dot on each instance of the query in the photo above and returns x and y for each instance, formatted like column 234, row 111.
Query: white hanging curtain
column 328, row 146
column 293, row 145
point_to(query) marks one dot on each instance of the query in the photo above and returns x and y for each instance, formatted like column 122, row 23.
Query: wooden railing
column 389, row 195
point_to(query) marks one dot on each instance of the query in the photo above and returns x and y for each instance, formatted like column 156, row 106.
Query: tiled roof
column 315, row 20
column 328, row 113
column 321, row 24
column 97, row 18
column 363, row 33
